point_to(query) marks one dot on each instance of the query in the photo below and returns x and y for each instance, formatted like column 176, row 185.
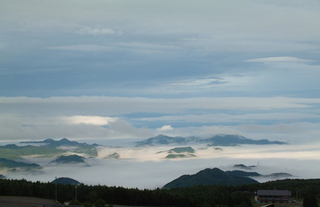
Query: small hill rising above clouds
column 180, row 152
column 244, row 167
column 71, row 159
column 213, row 176
column 12, row 165
column 216, row 140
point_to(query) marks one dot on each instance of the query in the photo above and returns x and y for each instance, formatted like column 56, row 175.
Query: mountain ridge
column 13, row 165
column 215, row 140
column 64, row 142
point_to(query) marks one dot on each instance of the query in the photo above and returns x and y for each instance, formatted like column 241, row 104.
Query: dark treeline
column 197, row 196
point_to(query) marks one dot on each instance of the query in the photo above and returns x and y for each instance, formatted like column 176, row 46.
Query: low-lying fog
column 145, row 167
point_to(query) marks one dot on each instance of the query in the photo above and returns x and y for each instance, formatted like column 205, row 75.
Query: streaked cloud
column 96, row 31
column 86, row 48
column 278, row 59
column 92, row 120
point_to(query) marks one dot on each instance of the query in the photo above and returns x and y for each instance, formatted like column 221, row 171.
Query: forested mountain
column 65, row 180
column 213, row 176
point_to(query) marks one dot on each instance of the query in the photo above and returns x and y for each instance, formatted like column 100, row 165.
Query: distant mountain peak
column 49, row 140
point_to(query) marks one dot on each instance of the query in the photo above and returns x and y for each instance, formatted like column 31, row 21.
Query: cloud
column 165, row 128
column 96, row 32
column 231, row 118
column 115, row 106
column 116, row 117
column 41, row 126
column 85, row 48
column 278, row 59
column 201, row 82
column 91, row 120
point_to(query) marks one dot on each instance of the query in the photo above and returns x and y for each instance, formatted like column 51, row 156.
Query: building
column 274, row 196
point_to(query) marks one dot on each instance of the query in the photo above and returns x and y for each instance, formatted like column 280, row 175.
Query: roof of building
column 274, row 193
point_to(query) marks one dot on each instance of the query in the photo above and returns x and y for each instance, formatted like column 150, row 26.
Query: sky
column 116, row 69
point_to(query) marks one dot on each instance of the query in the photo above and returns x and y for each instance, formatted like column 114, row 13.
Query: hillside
column 12, row 165
column 213, row 176
column 66, row 180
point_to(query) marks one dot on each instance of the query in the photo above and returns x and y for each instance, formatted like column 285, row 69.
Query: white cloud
column 85, row 48
column 165, row 128
column 91, row 120
column 95, row 32
column 278, row 59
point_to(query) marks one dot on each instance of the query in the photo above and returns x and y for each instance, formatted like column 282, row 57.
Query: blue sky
column 127, row 69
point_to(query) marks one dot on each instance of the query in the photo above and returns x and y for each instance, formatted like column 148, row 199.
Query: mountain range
column 74, row 146
column 216, row 140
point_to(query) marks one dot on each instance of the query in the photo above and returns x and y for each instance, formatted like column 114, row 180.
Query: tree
column 100, row 203
column 87, row 204
column 310, row 201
